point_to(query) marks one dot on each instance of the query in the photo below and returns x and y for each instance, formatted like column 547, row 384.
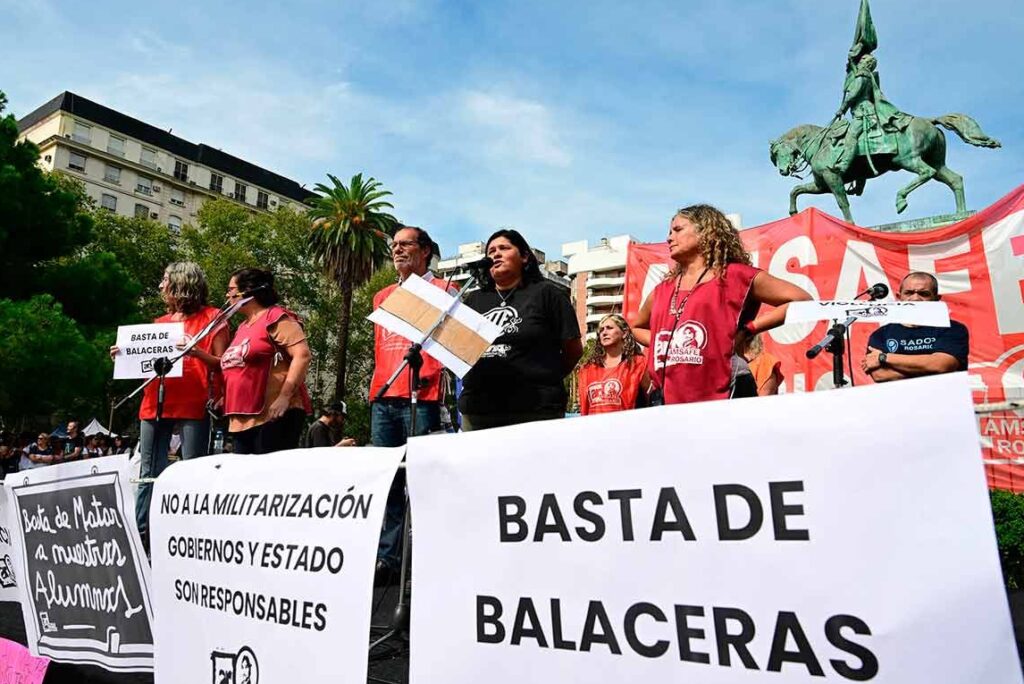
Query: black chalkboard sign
column 87, row 592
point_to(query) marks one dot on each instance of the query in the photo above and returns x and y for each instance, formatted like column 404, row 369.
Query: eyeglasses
column 407, row 244
column 927, row 294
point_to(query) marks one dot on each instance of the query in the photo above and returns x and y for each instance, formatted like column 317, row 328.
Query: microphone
column 264, row 286
column 483, row 265
column 876, row 291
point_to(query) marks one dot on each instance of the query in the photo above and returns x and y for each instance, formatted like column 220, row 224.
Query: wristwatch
column 883, row 359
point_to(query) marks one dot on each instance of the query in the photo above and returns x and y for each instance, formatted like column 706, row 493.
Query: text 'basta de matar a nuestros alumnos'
column 263, row 554
column 728, row 636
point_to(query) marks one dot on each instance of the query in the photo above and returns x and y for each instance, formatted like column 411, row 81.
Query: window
column 141, row 211
column 217, row 183
column 180, row 170
column 174, row 223
column 177, row 197
column 115, row 145
column 262, row 200
column 112, row 174
column 144, row 185
column 108, row 202
column 148, row 157
column 76, row 162
column 240, row 191
column 82, row 133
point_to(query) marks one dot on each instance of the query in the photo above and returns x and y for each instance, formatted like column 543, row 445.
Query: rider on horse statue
column 875, row 120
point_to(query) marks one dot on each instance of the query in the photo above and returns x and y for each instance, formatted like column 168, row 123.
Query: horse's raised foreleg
column 956, row 183
column 834, row 183
column 812, row 188
column 924, row 174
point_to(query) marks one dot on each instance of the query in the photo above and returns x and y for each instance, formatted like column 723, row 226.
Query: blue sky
column 566, row 120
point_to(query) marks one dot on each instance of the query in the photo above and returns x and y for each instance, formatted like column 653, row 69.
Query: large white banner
column 263, row 565
column 840, row 536
column 81, row 569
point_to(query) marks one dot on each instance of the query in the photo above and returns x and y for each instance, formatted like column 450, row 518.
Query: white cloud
column 514, row 128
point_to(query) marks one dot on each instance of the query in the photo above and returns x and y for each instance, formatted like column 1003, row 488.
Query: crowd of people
column 27, row 450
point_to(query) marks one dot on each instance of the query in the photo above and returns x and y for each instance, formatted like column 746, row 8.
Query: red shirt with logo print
column 604, row 390
column 690, row 357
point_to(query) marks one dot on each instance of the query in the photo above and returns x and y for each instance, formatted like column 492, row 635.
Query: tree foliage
column 40, row 216
column 360, row 354
column 349, row 238
column 59, row 369
column 143, row 248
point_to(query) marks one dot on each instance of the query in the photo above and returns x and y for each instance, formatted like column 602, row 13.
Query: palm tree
column 350, row 238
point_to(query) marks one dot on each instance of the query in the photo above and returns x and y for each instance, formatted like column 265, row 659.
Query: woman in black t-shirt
column 519, row 378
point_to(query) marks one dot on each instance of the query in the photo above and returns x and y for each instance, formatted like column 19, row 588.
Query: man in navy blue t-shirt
column 897, row 351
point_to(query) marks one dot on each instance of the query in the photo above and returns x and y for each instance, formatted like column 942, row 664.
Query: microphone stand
column 413, row 360
column 834, row 342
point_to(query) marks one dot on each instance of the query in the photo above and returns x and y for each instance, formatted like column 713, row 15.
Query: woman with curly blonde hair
column 705, row 309
column 614, row 373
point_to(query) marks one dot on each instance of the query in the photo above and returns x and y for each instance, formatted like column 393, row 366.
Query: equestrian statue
column 876, row 139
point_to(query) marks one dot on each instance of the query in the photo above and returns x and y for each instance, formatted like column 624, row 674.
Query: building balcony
column 602, row 282
column 601, row 300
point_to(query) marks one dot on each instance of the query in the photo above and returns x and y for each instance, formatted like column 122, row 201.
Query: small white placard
column 878, row 311
column 140, row 345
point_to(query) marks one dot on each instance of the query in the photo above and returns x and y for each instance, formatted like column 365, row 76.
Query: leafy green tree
column 40, row 216
column 57, row 368
column 143, row 248
column 360, row 354
column 349, row 238
column 93, row 288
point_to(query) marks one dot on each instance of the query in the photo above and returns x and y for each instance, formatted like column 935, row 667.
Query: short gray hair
column 186, row 286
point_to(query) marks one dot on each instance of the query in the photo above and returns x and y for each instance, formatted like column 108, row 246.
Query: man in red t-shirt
column 411, row 251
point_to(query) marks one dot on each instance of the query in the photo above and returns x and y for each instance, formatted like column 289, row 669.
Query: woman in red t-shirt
column 265, row 396
column 706, row 308
column 184, row 291
column 614, row 373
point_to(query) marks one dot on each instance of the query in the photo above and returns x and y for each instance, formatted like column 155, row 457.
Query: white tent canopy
column 95, row 428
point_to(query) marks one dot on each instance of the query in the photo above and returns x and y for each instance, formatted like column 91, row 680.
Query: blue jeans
column 390, row 427
column 154, row 443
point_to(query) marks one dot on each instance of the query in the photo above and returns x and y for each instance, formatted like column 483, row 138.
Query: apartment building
column 133, row 168
column 598, row 276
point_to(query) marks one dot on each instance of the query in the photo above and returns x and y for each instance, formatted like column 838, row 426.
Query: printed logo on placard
column 7, row 578
column 147, row 365
column 496, row 351
column 235, row 668
column 868, row 312
column 506, row 318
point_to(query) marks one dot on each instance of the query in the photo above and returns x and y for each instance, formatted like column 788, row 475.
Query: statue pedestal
column 921, row 224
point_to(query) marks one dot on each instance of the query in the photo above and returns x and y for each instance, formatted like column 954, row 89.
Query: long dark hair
column 531, row 269
column 259, row 282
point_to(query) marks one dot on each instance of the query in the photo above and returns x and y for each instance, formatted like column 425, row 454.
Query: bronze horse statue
column 919, row 148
